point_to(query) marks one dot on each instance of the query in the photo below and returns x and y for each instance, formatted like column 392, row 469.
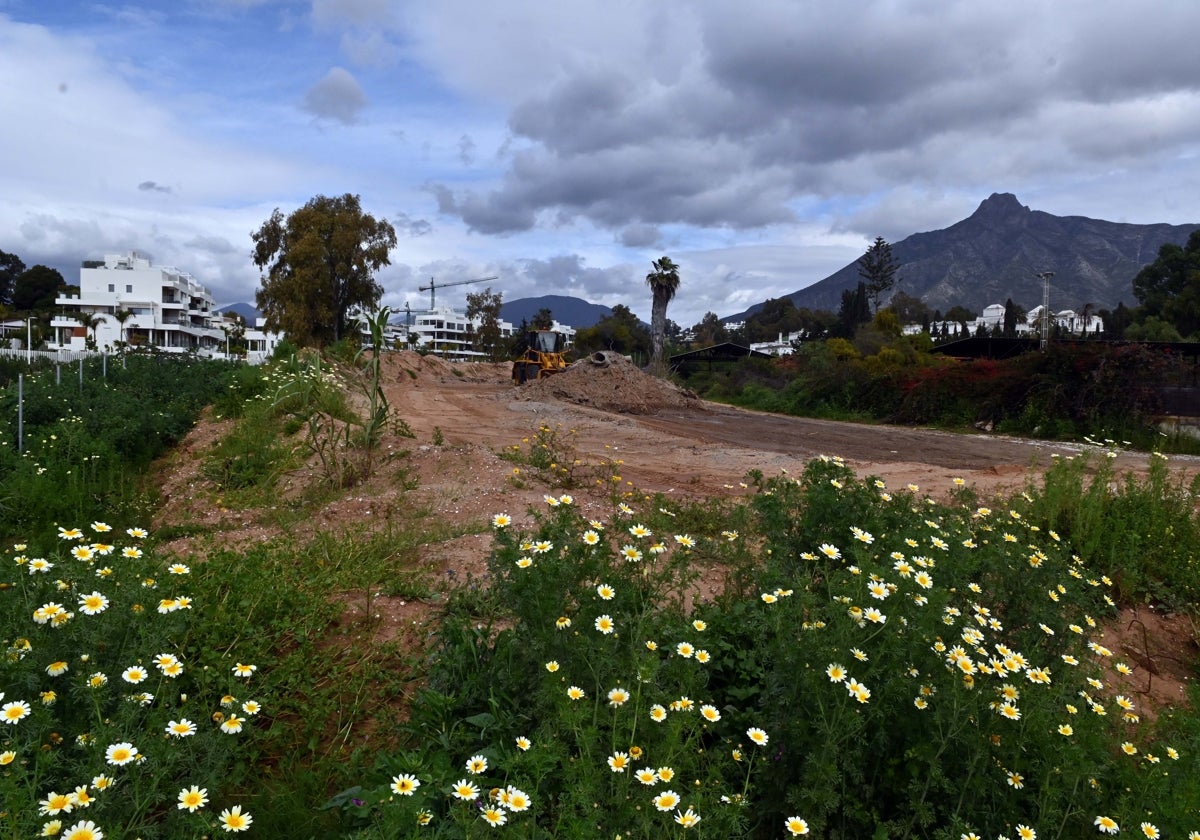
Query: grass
column 878, row 663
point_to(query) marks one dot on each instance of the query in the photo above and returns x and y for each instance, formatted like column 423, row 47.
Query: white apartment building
column 160, row 307
column 445, row 332
column 168, row 309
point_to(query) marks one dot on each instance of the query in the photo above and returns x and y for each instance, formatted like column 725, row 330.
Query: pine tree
column 878, row 269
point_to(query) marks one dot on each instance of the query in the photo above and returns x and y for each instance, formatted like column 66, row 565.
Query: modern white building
column 1067, row 320
column 993, row 317
column 784, row 345
column 132, row 302
column 446, row 332
column 126, row 301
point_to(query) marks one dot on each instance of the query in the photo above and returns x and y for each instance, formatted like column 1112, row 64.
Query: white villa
column 993, row 317
column 163, row 308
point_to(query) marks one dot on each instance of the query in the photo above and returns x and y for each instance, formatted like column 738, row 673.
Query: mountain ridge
column 998, row 252
column 572, row 311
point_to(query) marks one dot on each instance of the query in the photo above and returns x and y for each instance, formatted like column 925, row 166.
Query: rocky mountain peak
column 999, row 206
column 999, row 252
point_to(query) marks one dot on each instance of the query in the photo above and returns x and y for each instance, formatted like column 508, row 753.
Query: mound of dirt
column 407, row 365
column 611, row 382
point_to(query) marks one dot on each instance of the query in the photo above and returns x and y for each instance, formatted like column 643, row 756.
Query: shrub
column 880, row 664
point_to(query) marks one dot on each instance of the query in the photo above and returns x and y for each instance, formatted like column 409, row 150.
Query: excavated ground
column 667, row 440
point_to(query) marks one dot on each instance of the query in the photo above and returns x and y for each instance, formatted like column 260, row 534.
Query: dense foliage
column 1066, row 392
column 1168, row 289
column 878, row 664
column 621, row 332
column 90, row 431
column 318, row 266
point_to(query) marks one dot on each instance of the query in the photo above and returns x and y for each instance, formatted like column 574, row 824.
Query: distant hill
column 572, row 311
column 246, row 310
column 997, row 252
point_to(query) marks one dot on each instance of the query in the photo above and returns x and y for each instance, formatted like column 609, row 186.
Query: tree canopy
column 854, row 310
column 485, row 306
column 1169, row 287
column 909, row 309
column 663, row 282
column 878, row 268
column 36, row 288
column 709, row 331
column 621, row 332
column 11, row 267
column 781, row 316
column 1013, row 315
column 318, row 265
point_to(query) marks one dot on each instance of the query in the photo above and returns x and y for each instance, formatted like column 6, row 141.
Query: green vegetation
column 877, row 665
column 878, row 269
column 485, row 306
column 1168, row 290
column 318, row 266
column 664, row 283
column 621, row 332
column 89, row 436
column 1064, row 393
column 856, row 661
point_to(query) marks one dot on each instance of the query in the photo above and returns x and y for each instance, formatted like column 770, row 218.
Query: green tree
column 621, row 332
column 1169, row 275
column 11, row 268
column 122, row 317
column 710, row 331
column 91, row 322
column 1013, row 315
column 1116, row 321
column 663, row 282
column 1152, row 328
column 318, row 265
column 878, row 268
column 36, row 288
column 962, row 316
column 775, row 316
column 543, row 319
column 485, row 306
column 855, row 310
column 909, row 309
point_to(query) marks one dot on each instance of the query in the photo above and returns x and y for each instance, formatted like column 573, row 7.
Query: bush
column 109, row 716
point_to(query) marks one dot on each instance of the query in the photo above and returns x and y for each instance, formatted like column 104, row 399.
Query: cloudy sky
column 562, row 146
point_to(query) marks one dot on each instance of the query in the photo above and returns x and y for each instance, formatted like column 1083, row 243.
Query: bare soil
column 665, row 440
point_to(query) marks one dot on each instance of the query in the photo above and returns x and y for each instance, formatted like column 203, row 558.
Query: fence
column 48, row 355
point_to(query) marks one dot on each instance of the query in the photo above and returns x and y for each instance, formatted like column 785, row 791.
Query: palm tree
column 663, row 283
column 123, row 317
column 1089, row 309
column 90, row 321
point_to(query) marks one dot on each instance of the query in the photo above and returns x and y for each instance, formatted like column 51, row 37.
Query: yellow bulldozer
column 544, row 355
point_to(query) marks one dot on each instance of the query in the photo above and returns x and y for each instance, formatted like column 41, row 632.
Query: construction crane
column 433, row 287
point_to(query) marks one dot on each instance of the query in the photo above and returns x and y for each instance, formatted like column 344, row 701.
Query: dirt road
column 706, row 447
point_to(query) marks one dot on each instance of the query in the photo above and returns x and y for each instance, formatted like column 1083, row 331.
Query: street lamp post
column 1045, row 277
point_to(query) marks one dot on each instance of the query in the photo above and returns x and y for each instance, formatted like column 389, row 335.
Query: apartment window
column 128, row 288
column 111, row 287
